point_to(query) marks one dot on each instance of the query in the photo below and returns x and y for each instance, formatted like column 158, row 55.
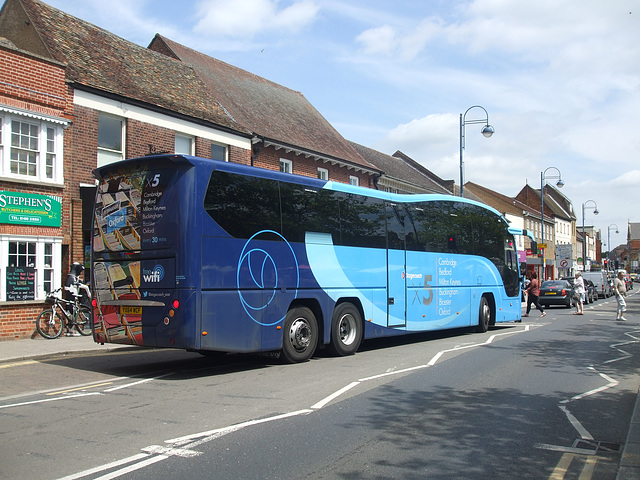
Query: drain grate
column 599, row 447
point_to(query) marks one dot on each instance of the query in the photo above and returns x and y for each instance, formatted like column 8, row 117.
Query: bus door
column 396, row 266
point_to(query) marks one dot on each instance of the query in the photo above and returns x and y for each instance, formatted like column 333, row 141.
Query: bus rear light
column 166, row 320
column 172, row 313
column 176, row 304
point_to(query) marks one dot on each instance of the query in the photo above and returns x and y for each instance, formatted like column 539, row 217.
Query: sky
column 559, row 80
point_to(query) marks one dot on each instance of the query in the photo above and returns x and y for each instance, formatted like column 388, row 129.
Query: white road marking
column 120, row 387
column 104, row 467
column 49, row 400
column 326, row 400
column 193, row 440
column 132, row 468
column 171, row 452
column 584, row 434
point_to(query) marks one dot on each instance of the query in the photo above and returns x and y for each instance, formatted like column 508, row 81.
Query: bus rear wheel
column 300, row 335
column 346, row 330
column 484, row 316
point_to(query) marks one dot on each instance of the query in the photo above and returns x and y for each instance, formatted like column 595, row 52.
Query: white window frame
column 56, row 267
column 323, row 173
column 104, row 155
column 355, row 181
column 184, row 138
column 286, row 166
column 44, row 125
column 225, row 151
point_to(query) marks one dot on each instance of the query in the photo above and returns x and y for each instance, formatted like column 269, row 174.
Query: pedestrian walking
column 533, row 293
column 579, row 291
column 620, row 290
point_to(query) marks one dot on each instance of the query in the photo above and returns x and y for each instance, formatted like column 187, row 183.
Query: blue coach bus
column 204, row 255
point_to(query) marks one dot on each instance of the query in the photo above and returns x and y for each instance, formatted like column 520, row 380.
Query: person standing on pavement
column 578, row 285
column 533, row 292
column 620, row 290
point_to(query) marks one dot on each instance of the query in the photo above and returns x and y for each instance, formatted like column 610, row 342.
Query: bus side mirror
column 534, row 248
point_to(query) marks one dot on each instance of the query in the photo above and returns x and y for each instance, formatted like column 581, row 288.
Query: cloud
column 248, row 18
column 388, row 42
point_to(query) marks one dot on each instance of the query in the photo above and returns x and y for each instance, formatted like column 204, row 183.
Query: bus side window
column 395, row 227
column 306, row 209
column 362, row 222
column 243, row 205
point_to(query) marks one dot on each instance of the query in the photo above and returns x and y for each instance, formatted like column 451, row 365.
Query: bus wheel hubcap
column 347, row 329
column 300, row 334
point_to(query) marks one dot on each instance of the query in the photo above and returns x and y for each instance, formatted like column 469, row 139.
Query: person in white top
column 578, row 285
column 620, row 290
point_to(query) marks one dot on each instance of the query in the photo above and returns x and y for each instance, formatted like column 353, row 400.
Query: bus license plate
column 131, row 310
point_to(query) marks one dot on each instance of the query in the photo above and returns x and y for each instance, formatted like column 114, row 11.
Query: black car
column 556, row 292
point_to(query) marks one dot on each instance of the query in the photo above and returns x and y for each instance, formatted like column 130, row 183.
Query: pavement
column 14, row 351
column 39, row 348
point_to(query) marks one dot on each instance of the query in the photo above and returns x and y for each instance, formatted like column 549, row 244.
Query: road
column 549, row 398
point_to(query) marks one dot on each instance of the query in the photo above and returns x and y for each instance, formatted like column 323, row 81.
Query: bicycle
column 63, row 314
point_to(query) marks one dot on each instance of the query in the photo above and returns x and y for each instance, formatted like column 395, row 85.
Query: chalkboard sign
column 21, row 283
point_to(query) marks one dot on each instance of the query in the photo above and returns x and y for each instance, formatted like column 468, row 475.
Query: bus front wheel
column 346, row 330
column 300, row 336
column 484, row 316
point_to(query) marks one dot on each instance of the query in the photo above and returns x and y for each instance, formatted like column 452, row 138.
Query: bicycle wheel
column 49, row 324
column 83, row 320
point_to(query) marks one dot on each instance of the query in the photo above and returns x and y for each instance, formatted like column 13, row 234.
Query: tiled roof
column 271, row 111
column 449, row 185
column 503, row 203
column 399, row 170
column 101, row 60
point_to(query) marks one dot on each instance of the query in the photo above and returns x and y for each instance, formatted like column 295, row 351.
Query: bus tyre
column 484, row 316
column 346, row 330
column 300, row 336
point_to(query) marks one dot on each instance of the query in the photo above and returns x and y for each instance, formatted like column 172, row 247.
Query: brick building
column 74, row 96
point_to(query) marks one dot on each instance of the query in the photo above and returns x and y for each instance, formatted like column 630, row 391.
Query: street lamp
column 487, row 131
column 609, row 243
column 584, row 238
column 560, row 184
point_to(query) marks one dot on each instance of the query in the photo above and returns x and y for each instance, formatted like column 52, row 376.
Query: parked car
column 592, row 291
column 556, row 292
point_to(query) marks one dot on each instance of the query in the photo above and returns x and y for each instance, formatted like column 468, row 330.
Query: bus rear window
column 132, row 209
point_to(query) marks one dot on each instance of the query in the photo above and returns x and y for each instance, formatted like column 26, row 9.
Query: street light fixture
column 584, row 238
column 487, row 131
column 609, row 243
column 560, row 184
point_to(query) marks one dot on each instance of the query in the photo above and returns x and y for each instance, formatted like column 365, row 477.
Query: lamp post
column 609, row 242
column 584, row 238
column 560, row 184
column 487, row 131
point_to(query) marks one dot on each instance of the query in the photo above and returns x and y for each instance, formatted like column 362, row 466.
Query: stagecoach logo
column 265, row 267
column 153, row 276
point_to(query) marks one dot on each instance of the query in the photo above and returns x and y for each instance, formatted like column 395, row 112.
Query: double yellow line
column 80, row 388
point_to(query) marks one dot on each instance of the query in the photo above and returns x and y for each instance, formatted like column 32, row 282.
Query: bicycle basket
column 49, row 300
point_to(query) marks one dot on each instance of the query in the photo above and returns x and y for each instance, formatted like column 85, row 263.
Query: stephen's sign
column 29, row 209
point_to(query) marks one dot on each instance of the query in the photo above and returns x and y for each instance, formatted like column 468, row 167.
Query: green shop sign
column 28, row 209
